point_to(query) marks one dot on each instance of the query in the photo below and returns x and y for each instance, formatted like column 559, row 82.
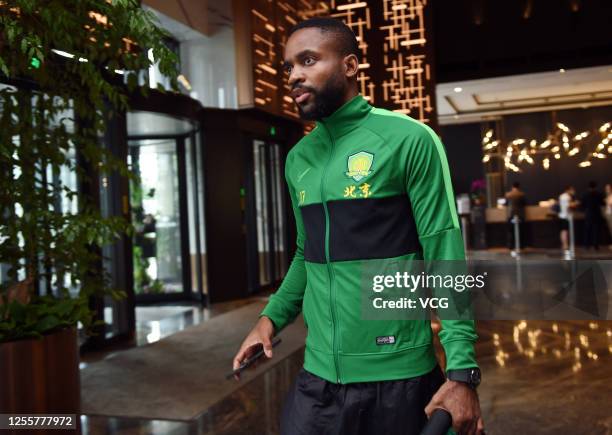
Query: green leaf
column 47, row 323
column 16, row 311
column 64, row 240
column 4, row 68
column 64, row 307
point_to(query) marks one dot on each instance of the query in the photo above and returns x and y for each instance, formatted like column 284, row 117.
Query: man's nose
column 296, row 75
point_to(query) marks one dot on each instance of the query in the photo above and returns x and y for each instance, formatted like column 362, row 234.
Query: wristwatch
column 470, row 376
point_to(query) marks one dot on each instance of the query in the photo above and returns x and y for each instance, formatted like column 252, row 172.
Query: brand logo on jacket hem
column 359, row 164
column 387, row 339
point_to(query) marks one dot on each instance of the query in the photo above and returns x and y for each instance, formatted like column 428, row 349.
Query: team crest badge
column 359, row 165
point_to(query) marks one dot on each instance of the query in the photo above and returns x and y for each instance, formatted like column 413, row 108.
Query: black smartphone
column 246, row 363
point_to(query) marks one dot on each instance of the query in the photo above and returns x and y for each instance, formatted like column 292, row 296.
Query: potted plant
column 478, row 190
column 66, row 69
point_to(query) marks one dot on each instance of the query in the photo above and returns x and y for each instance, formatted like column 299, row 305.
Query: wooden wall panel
column 395, row 38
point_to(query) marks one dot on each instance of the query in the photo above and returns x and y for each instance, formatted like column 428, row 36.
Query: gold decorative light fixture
column 560, row 143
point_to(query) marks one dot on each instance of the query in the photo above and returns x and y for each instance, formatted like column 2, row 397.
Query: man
column 365, row 184
column 566, row 204
column 592, row 202
column 515, row 203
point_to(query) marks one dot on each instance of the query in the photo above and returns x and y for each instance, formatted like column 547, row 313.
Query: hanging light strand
column 596, row 144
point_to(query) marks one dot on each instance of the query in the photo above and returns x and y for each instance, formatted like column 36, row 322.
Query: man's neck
column 350, row 93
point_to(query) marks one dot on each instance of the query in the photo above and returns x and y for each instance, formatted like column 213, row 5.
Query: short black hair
column 516, row 184
column 346, row 40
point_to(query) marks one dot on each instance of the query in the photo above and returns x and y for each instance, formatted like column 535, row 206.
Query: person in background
column 609, row 209
column 566, row 204
column 591, row 203
column 515, row 202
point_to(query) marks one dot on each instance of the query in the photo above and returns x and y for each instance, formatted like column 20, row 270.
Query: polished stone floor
column 154, row 322
column 603, row 253
column 546, row 377
column 539, row 377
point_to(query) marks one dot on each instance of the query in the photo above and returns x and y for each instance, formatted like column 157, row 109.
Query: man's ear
column 351, row 65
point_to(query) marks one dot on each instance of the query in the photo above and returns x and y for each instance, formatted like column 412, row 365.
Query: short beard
column 326, row 101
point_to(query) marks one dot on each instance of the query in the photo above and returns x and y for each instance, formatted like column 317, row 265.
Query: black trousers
column 591, row 232
column 315, row 406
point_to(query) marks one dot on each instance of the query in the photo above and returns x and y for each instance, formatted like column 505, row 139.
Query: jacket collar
column 346, row 117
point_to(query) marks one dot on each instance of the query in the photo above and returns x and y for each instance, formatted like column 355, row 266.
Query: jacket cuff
column 276, row 313
column 460, row 354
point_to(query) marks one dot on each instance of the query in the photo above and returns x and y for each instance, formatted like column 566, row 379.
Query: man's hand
column 462, row 404
column 260, row 335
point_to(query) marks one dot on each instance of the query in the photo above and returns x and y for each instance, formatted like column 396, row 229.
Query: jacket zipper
column 330, row 270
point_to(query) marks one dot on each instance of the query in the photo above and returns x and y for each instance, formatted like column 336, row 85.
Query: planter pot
column 41, row 376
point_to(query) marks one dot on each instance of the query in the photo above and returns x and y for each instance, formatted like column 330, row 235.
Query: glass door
column 167, row 208
column 154, row 201
column 266, row 224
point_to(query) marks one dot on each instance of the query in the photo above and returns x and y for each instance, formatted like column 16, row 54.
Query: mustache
column 305, row 88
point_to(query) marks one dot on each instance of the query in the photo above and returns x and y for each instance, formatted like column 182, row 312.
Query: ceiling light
column 458, row 89
column 560, row 139
column 63, row 53
column 562, row 70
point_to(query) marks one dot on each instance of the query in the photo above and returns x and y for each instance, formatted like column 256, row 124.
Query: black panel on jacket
column 371, row 228
column 313, row 217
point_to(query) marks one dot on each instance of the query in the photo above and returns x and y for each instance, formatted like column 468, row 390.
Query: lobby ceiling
column 487, row 99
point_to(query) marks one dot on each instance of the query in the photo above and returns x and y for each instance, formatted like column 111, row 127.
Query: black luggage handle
column 439, row 423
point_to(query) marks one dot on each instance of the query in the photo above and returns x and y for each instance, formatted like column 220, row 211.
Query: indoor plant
column 66, row 68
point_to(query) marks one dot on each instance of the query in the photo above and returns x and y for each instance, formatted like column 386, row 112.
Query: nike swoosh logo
column 302, row 174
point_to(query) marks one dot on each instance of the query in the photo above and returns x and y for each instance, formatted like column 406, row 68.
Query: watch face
column 475, row 376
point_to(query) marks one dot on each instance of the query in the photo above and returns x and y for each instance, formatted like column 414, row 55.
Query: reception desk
column 541, row 228
column 532, row 213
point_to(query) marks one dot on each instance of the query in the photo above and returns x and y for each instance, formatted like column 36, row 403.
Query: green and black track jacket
column 367, row 184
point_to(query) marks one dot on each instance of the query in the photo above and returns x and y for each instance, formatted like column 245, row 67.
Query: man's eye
column 308, row 61
column 288, row 69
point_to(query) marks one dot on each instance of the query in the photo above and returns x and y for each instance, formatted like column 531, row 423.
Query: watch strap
column 469, row 376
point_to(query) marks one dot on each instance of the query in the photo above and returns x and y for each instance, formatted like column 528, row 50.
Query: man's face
column 316, row 74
